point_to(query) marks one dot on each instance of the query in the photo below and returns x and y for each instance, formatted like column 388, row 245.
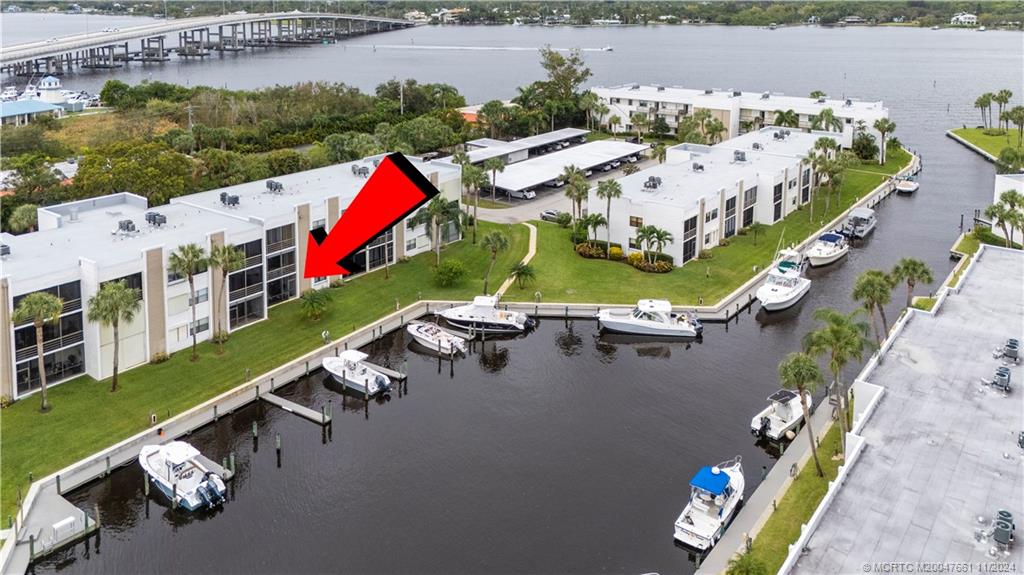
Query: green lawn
column 796, row 507
column 563, row 276
column 991, row 144
column 485, row 202
column 894, row 162
column 924, row 303
column 86, row 417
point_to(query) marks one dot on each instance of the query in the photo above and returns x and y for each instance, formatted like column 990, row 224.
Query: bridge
column 197, row 38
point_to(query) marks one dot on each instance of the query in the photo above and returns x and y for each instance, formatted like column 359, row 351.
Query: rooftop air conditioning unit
column 849, row 102
column 736, row 93
column 756, row 146
column 821, row 100
column 232, row 200
column 363, row 171
column 275, row 187
column 765, row 96
column 786, row 132
column 739, row 156
column 698, row 167
column 661, row 88
column 126, row 226
column 376, row 163
column 5, row 250
column 709, row 92
column 355, row 169
column 776, row 135
column 156, row 219
column 224, row 198
column 635, row 87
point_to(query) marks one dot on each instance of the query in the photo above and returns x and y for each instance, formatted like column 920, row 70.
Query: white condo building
column 703, row 194
column 80, row 245
column 740, row 112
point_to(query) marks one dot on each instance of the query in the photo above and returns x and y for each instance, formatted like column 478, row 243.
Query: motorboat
column 907, row 185
column 178, row 471
column 9, row 94
column 783, row 414
column 650, row 317
column 785, row 284
column 608, row 49
column 982, row 28
column 859, row 223
column 351, row 370
column 715, row 495
column 482, row 315
column 431, row 336
column 827, row 249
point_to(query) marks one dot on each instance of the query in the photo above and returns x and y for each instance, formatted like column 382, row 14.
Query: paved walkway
column 530, row 252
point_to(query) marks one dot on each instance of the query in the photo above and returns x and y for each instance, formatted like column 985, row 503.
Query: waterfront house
column 22, row 112
column 80, row 245
column 739, row 112
column 964, row 19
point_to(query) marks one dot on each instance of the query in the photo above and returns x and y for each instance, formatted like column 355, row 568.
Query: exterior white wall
column 132, row 349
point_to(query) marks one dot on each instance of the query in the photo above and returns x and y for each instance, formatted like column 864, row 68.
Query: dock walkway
column 320, row 417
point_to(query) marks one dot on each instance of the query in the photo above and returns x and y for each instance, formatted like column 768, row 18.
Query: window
column 200, row 326
column 749, row 200
column 708, row 216
column 410, row 244
column 318, row 225
column 59, row 365
column 633, row 245
column 280, row 261
column 636, row 222
column 245, row 312
column 707, row 239
column 689, row 239
column 280, row 238
column 201, row 296
column 730, row 217
column 173, row 277
column 792, row 183
column 777, row 200
column 133, row 281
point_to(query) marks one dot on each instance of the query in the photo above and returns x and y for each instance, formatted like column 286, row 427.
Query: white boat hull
column 446, row 344
column 907, row 187
column 619, row 326
column 819, row 259
column 773, row 299
column 701, row 537
column 778, row 428
column 362, row 379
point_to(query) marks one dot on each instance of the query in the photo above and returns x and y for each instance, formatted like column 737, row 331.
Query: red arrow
column 395, row 190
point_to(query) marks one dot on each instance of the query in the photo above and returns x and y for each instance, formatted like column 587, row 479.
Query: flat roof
column 19, row 107
column 724, row 99
column 56, row 252
column 941, row 447
column 491, row 148
column 536, row 171
column 682, row 186
column 795, row 143
column 311, row 186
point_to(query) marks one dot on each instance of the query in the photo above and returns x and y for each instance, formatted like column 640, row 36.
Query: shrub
column 604, row 245
column 159, row 357
column 658, row 256
column 337, row 283
column 449, row 272
column 705, row 255
column 564, row 219
column 578, row 237
column 589, row 250
column 635, row 259
column 660, row 266
column 615, row 252
column 742, row 232
column 5, row 401
column 723, row 242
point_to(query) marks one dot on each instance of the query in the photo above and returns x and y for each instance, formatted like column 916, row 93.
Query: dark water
column 558, row 452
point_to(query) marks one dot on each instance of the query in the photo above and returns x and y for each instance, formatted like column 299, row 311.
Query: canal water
column 561, row 451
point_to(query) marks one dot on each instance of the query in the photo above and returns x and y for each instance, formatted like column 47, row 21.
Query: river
column 561, row 451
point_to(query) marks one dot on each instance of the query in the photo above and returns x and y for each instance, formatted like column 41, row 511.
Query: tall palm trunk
column 437, row 240
column 117, row 347
column 195, row 330
column 810, row 431
column 487, row 277
column 840, row 395
column 885, row 322
column 221, row 310
column 874, row 325
column 476, row 206
column 910, row 291
column 608, row 227
column 44, row 404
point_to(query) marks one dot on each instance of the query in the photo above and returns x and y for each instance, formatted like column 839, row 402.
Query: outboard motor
column 382, row 383
column 766, row 424
column 528, row 322
column 213, row 488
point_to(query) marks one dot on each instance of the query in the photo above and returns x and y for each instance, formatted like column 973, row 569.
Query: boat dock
column 322, row 417
column 395, row 375
column 226, row 472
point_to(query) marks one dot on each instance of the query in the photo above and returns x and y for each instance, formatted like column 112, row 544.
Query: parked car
column 550, row 215
column 615, row 163
column 606, row 168
column 523, row 194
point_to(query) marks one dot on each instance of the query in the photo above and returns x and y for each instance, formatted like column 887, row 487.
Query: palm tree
column 800, row 372
column 818, row 94
column 315, row 302
column 437, row 213
column 659, row 152
column 1000, row 215
column 842, row 339
column 745, row 564
column 190, row 260
column 756, row 228
column 227, row 259
column 593, row 222
column 23, row 218
column 474, row 179
column 1002, row 98
column 569, row 175
column 827, row 121
column 495, row 242
column 885, row 126
column 659, row 238
column 873, row 289
column 911, row 271
column 827, row 146
column 113, row 303
column 460, row 157
column 715, row 130
column 787, row 118
column 578, row 190
column 701, row 116
column 640, row 122
column 613, row 123
column 494, row 165
column 600, row 111
column 588, row 102
column 609, row 190
column 1013, row 200
column 522, row 273
column 983, row 102
column 630, row 169
column 39, row 308
column 644, row 235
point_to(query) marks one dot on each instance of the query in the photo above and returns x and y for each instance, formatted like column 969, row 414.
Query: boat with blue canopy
column 827, row 249
column 715, row 495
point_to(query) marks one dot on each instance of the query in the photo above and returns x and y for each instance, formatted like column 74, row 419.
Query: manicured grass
column 782, row 529
column 894, row 162
column 969, row 246
column 485, row 203
column 924, row 303
column 992, row 144
column 564, row 276
column 86, row 417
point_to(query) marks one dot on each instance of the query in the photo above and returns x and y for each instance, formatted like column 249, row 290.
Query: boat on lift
column 785, row 284
column 783, row 414
column 650, row 317
column 178, row 472
column 907, row 185
column 433, row 337
column 827, row 249
column 715, row 495
column 482, row 315
column 859, row 223
column 351, row 370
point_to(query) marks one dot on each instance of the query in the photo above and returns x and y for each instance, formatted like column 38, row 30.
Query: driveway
column 547, row 199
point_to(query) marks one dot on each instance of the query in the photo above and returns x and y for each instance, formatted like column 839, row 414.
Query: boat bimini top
column 782, row 396
column 710, row 479
column 831, row 238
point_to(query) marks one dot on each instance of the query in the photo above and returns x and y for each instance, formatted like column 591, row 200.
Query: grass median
column 87, row 418
column 993, row 143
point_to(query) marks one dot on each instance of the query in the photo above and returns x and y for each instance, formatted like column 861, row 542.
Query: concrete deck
column 941, row 447
column 49, row 509
column 291, row 407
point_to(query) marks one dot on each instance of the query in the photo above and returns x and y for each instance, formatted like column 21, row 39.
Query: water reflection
column 569, row 342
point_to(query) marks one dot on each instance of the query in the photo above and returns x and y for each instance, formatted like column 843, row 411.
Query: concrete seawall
column 974, row 148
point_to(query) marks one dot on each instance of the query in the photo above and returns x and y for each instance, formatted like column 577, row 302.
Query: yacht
column 431, row 336
column 785, row 284
column 10, row 93
column 351, row 370
column 608, row 49
column 907, row 185
column 483, row 315
column 859, row 223
column 783, row 414
column 179, row 473
column 827, row 249
column 650, row 317
column 715, row 495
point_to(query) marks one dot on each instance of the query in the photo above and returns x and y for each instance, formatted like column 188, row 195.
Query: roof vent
column 777, row 135
column 821, row 100
column 275, row 187
column 739, row 156
column 73, row 216
column 709, row 92
column 849, row 102
column 765, row 96
column 661, row 88
column 5, row 250
column 786, row 133
column 698, row 167
column 156, row 219
column 635, row 87
column 736, row 93
column 757, row 146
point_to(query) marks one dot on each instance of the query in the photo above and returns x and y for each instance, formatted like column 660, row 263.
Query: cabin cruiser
column 783, row 414
column 859, row 223
column 431, row 336
column 827, row 249
column 351, row 370
column 650, row 317
column 785, row 284
column 177, row 471
column 907, row 185
column 483, row 315
column 715, row 495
